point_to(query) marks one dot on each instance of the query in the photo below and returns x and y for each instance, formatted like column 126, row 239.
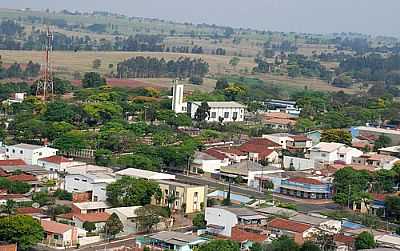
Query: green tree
column 113, row 226
column 129, row 191
column 103, row 157
column 9, row 207
column 336, row 135
column 220, row 245
column 199, row 221
column 283, row 243
column 381, row 142
column 43, row 198
column 93, row 80
column 96, row 63
column 89, row 226
column 221, row 84
column 350, row 185
column 304, row 125
column 392, row 204
column 365, row 240
column 149, row 216
column 234, row 62
column 310, row 246
column 21, row 229
column 202, row 112
column 256, row 247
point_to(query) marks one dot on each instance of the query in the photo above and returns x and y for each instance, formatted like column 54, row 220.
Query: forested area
column 147, row 67
column 17, row 70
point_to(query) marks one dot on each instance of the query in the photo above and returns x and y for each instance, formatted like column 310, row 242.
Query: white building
column 229, row 111
column 330, row 152
column 92, row 183
column 58, row 163
column 220, row 220
column 29, row 153
column 279, row 138
column 209, row 162
column 144, row 174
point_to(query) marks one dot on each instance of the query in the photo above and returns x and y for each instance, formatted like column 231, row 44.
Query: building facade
column 306, row 188
column 29, row 153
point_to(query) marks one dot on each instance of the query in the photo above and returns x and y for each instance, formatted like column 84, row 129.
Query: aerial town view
column 263, row 125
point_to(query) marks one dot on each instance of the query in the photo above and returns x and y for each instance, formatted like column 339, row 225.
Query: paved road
column 220, row 185
column 302, row 205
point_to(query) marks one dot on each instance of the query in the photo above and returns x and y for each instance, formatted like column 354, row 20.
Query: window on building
column 196, row 194
column 213, row 115
column 235, row 115
column 341, row 155
column 323, row 155
column 13, row 150
column 77, row 179
column 84, row 180
column 166, row 192
column 21, row 152
column 95, row 198
column 7, row 150
column 177, row 194
column 226, row 115
column 40, row 154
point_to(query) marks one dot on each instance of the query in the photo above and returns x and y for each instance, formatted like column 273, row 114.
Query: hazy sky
column 378, row 17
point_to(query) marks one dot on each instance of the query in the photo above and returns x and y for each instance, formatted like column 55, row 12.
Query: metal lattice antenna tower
column 45, row 86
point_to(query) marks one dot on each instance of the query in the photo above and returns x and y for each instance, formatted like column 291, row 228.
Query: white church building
column 229, row 111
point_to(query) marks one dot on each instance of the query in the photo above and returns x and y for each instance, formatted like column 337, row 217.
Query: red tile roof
column 22, row 177
column 263, row 141
column 28, row 210
column 379, row 196
column 289, row 225
column 344, row 239
column 276, row 121
column 93, row 217
column 56, row 159
column 305, row 181
column 12, row 162
column 230, row 150
column 55, row 227
column 241, row 235
column 216, row 154
column 68, row 216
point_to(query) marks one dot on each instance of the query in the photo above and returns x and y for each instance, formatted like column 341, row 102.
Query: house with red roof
column 99, row 219
column 12, row 162
column 300, row 232
column 57, row 163
column 246, row 237
column 306, row 188
column 210, row 161
column 60, row 235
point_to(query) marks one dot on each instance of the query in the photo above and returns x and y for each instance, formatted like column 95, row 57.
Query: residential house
column 29, row 153
column 330, row 152
column 319, row 221
column 376, row 206
column 246, row 237
column 92, row 184
column 392, row 151
column 279, row 138
column 344, row 242
column 89, row 207
column 186, row 197
column 170, row 240
column 299, row 143
column 26, row 178
column 60, row 235
column 379, row 161
column 128, row 217
column 144, row 174
column 306, row 188
column 58, row 163
column 221, row 220
column 300, row 232
column 279, row 121
column 277, row 212
column 98, row 219
column 209, row 161
column 259, row 149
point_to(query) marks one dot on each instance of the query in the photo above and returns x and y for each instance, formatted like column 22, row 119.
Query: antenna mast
column 45, row 86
